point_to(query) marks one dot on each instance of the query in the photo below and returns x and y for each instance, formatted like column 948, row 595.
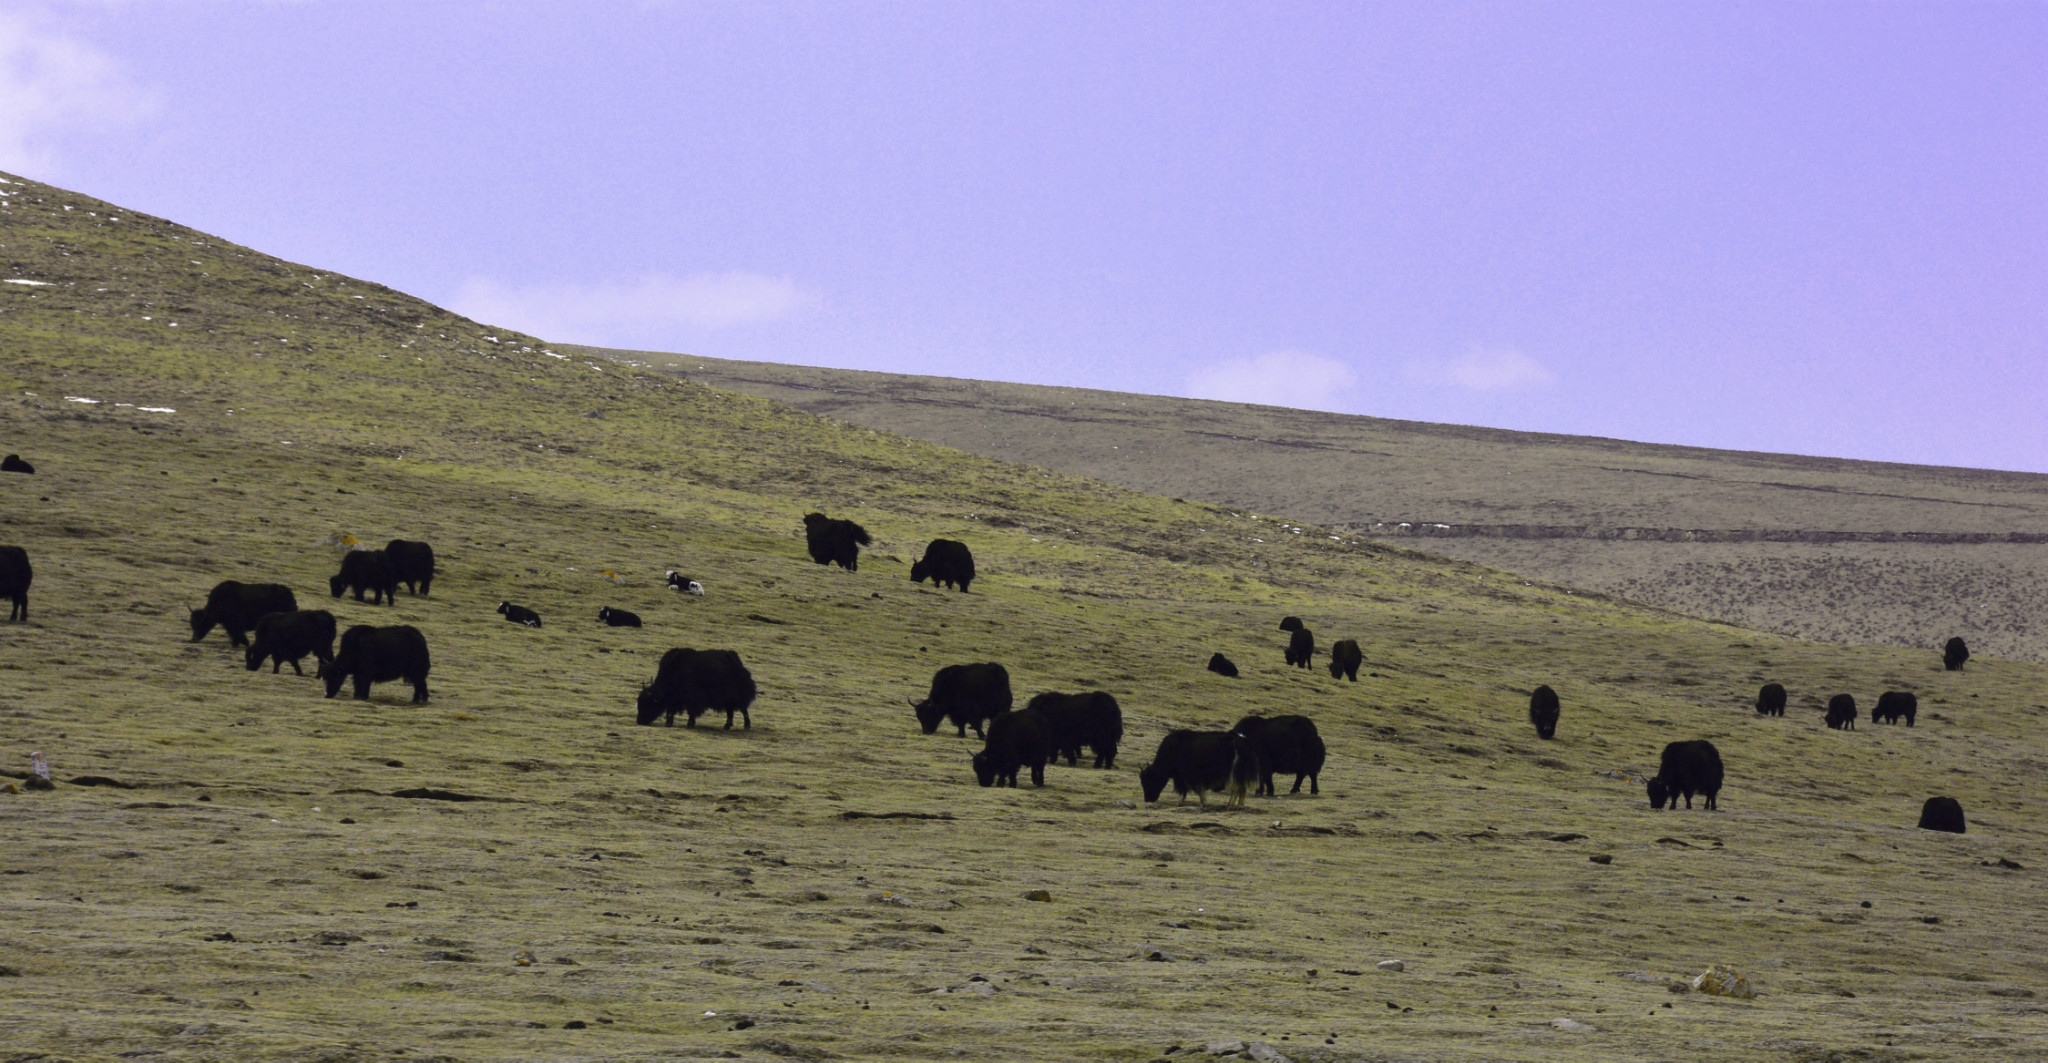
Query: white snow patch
column 156, row 409
column 29, row 283
column 81, row 398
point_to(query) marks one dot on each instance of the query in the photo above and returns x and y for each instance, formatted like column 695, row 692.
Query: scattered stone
column 743, row 1024
column 523, row 957
column 365, row 873
column 1265, row 1053
column 1038, row 895
column 198, row 1029
column 222, row 936
column 1393, row 966
column 1601, row 858
column 1155, row 954
column 336, row 937
column 1572, row 1026
column 1722, row 982
column 9, row 972
column 37, row 782
column 2009, row 865
column 450, row 956
column 575, row 1024
column 1177, row 924
column 1645, row 977
column 1223, row 1048
column 101, row 780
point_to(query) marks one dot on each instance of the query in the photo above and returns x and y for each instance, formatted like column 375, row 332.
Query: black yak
column 615, row 617
column 1201, row 761
column 237, row 606
column 1894, row 705
column 1688, row 768
column 682, row 584
column 370, row 654
column 290, row 637
column 833, row 540
column 1345, row 659
column 519, row 614
column 412, row 563
column 14, row 463
column 694, row 682
column 1943, row 814
column 1770, row 700
column 1543, row 711
column 366, row 570
column 1093, row 719
column 1290, row 623
column 967, row 695
column 1955, row 654
column 1283, row 744
column 946, row 562
column 1016, row 740
column 1842, row 713
column 1301, row 646
column 15, row 576
column 1221, row 665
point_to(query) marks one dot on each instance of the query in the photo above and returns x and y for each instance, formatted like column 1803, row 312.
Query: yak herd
column 1051, row 725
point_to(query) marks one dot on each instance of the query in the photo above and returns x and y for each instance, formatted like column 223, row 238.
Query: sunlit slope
column 691, row 893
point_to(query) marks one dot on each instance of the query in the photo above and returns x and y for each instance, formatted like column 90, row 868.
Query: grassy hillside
column 255, row 881
column 1843, row 551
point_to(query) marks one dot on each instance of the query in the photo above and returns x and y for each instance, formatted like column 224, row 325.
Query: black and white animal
column 1201, row 761
column 1016, row 740
column 694, row 682
column 1770, row 700
column 1093, row 719
column 366, row 570
column 1345, row 659
column 1943, row 814
column 1894, row 705
column 1688, row 768
column 14, row 463
column 946, row 562
column 616, row 617
column 1543, row 711
column 237, row 606
column 1955, row 654
column 519, row 614
column 1290, row 623
column 1301, row 646
column 412, row 563
column 1842, row 713
column 1284, row 744
column 15, row 576
column 833, row 540
column 290, row 637
column 371, row 654
column 1221, row 665
column 967, row 695
column 682, row 584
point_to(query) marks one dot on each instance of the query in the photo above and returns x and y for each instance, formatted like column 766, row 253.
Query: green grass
column 687, row 872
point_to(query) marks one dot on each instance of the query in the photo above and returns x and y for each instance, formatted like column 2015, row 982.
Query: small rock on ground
column 1391, row 965
column 1572, row 1026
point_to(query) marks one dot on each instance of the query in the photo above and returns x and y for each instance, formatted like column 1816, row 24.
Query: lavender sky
column 1815, row 228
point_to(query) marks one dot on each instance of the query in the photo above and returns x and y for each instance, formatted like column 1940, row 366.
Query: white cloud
column 1486, row 369
column 1276, row 378
column 634, row 312
column 53, row 86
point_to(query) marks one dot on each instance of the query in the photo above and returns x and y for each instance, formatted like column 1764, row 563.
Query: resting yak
column 237, row 606
column 519, row 614
column 14, row 463
column 1222, row 665
column 611, row 617
column 370, row 654
column 694, row 682
column 967, row 695
column 946, row 562
column 833, row 540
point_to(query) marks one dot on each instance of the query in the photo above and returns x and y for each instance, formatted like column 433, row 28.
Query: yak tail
column 1244, row 766
column 860, row 535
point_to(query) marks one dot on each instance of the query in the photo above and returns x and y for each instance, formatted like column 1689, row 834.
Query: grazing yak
column 694, row 682
column 1283, row 744
column 1893, row 705
column 1688, row 768
column 13, row 463
column 1093, row 719
column 519, row 614
column 1290, row 623
column 1301, row 646
column 1345, row 659
column 967, row 695
column 1016, row 740
column 237, row 606
column 1770, row 700
column 1543, row 711
column 946, row 562
column 1221, row 665
column 15, row 576
column 366, row 570
column 371, row 654
column 412, row 563
column 1841, row 713
column 289, row 637
column 1955, row 654
column 1201, row 761
column 1943, row 814
column 613, row 617
column 682, row 584
column 835, row 540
